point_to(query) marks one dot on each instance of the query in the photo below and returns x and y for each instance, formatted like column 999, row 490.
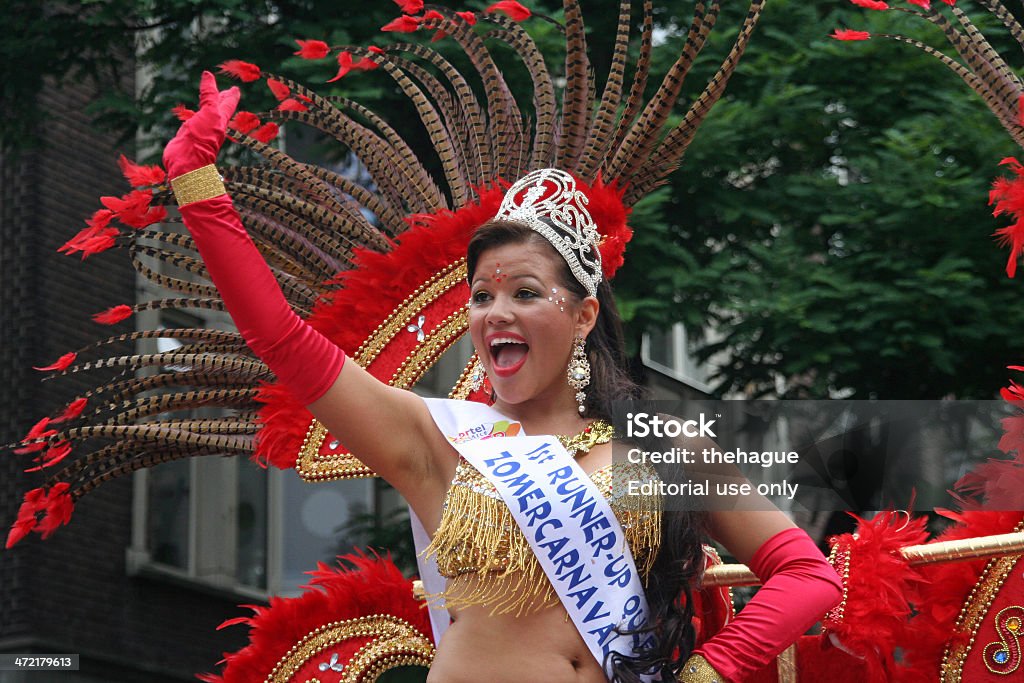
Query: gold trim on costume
column 1009, row 628
column 430, row 349
column 697, row 670
column 839, row 558
column 463, row 387
column 195, row 186
column 405, row 312
column 313, row 466
column 786, row 664
column 393, row 642
column 974, row 610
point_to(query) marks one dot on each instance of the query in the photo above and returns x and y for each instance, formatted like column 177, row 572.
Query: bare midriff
column 541, row 647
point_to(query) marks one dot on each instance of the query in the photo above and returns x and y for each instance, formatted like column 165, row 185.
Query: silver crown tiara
column 551, row 193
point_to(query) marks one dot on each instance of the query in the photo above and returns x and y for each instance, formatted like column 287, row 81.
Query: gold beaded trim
column 697, row 670
column 973, row 613
column 1009, row 628
column 310, row 464
column 839, row 558
column 430, row 349
column 393, row 642
column 195, row 186
column 462, row 388
column 404, row 313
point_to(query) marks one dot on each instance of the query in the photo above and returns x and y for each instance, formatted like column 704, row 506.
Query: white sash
column 567, row 521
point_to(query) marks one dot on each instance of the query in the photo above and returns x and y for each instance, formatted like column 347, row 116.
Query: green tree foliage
column 831, row 225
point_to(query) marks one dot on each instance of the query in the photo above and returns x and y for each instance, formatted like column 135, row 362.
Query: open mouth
column 507, row 354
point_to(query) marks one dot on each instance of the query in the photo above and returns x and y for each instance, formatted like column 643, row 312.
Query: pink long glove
column 798, row 587
column 303, row 359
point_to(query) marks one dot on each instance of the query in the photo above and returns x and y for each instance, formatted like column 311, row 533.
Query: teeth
column 504, row 340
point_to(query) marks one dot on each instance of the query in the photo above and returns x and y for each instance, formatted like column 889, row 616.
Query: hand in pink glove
column 303, row 359
column 200, row 138
column 799, row 585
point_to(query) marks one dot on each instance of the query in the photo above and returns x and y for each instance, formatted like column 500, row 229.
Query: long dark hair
column 680, row 560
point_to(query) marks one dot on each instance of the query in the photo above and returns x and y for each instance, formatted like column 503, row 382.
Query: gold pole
column 927, row 553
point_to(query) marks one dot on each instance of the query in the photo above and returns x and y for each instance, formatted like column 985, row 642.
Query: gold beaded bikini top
column 488, row 561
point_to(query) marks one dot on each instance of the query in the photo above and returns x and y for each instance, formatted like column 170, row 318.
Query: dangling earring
column 579, row 371
column 477, row 375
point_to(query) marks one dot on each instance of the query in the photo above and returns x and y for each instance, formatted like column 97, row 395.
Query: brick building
column 74, row 593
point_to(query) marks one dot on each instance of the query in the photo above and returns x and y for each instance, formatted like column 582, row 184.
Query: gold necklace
column 597, row 432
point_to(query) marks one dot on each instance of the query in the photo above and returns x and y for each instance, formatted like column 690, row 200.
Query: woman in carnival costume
column 523, row 585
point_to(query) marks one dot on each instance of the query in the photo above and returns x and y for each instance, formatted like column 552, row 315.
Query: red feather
column 403, row 24
column 266, row 132
column 344, row 65
column 365, row 64
column 1008, row 196
column 312, row 49
column 606, row 208
column 134, row 210
column 53, row 455
column 244, row 122
column 880, row 587
column 114, row 315
column 182, row 113
column 33, row 502
column 243, row 71
column 21, row 528
column 410, row 6
column 73, row 410
column 280, row 90
column 62, row 363
column 94, row 238
column 39, row 430
column 97, row 243
column 847, row 34
column 513, row 9
column 372, row 585
column 58, row 509
column 871, row 4
column 292, row 104
column 141, row 176
column 1013, row 434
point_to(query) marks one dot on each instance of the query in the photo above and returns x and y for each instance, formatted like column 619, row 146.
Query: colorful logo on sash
column 487, row 430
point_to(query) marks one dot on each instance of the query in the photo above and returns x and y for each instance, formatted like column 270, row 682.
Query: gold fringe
column 488, row 560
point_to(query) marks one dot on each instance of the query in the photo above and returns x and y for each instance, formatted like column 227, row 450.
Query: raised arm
column 388, row 428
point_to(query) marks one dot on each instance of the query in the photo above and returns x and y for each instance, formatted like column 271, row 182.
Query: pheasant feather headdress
column 377, row 266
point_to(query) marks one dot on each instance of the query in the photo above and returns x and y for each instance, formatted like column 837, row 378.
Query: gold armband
column 697, row 670
column 195, row 186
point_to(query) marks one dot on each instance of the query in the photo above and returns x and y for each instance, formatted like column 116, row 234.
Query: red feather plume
column 879, row 590
column 373, row 585
column 141, row 176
